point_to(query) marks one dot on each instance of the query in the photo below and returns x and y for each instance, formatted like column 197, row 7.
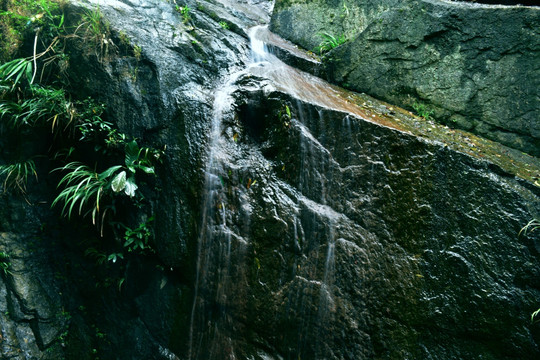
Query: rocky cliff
column 473, row 66
column 293, row 219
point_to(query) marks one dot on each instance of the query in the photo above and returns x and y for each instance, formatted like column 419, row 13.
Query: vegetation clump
column 330, row 42
column 423, row 110
column 4, row 262
column 98, row 184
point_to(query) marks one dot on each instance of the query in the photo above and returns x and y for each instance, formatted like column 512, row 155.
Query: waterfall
column 214, row 275
column 221, row 255
column 219, row 246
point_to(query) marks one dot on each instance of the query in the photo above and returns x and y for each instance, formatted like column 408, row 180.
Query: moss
column 510, row 160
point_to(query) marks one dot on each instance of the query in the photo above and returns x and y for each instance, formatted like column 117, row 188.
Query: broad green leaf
column 119, row 182
column 146, row 169
column 29, row 74
column 131, row 187
column 132, row 154
column 109, row 172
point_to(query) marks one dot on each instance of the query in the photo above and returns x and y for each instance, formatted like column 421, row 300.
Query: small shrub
column 93, row 128
column 224, row 25
column 84, row 187
column 137, row 239
column 185, row 12
column 96, row 34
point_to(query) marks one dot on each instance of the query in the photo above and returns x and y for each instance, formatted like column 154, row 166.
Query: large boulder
column 475, row 66
column 359, row 241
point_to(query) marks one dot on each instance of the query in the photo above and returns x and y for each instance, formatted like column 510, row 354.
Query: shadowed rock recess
column 475, row 66
column 293, row 219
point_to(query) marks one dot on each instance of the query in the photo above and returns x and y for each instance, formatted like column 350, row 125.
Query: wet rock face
column 32, row 318
column 164, row 98
column 471, row 64
column 325, row 237
column 369, row 243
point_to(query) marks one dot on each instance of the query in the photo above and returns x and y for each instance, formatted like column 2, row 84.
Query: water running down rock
column 295, row 219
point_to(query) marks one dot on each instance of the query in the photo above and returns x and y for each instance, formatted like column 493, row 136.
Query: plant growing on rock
column 28, row 102
column 185, row 12
column 531, row 226
column 534, row 315
column 137, row 239
column 85, row 188
column 96, row 33
column 17, row 174
column 422, row 110
column 330, row 42
column 12, row 71
column 4, row 263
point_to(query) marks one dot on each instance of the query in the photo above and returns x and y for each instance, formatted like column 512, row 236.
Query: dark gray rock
column 363, row 242
column 475, row 66
column 32, row 318
column 164, row 98
column 319, row 235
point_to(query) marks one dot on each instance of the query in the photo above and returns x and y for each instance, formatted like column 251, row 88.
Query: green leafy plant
column 27, row 105
column 422, row 110
column 85, row 187
column 114, row 257
column 137, row 52
column 99, row 257
column 185, row 12
column 285, row 116
column 19, row 17
column 52, row 17
column 92, row 126
column 4, row 263
column 96, row 33
column 137, row 239
column 330, row 42
column 45, row 104
column 27, row 102
column 534, row 315
column 17, row 174
column 225, row 25
column 12, row 71
column 531, row 226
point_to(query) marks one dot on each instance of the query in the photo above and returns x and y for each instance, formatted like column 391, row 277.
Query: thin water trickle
column 216, row 273
column 213, row 273
column 221, row 249
column 314, row 160
column 259, row 51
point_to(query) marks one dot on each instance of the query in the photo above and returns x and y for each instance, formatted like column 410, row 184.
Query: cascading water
column 217, row 274
column 215, row 277
column 313, row 159
column 221, row 274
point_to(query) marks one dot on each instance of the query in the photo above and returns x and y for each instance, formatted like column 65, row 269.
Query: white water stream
column 220, row 249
